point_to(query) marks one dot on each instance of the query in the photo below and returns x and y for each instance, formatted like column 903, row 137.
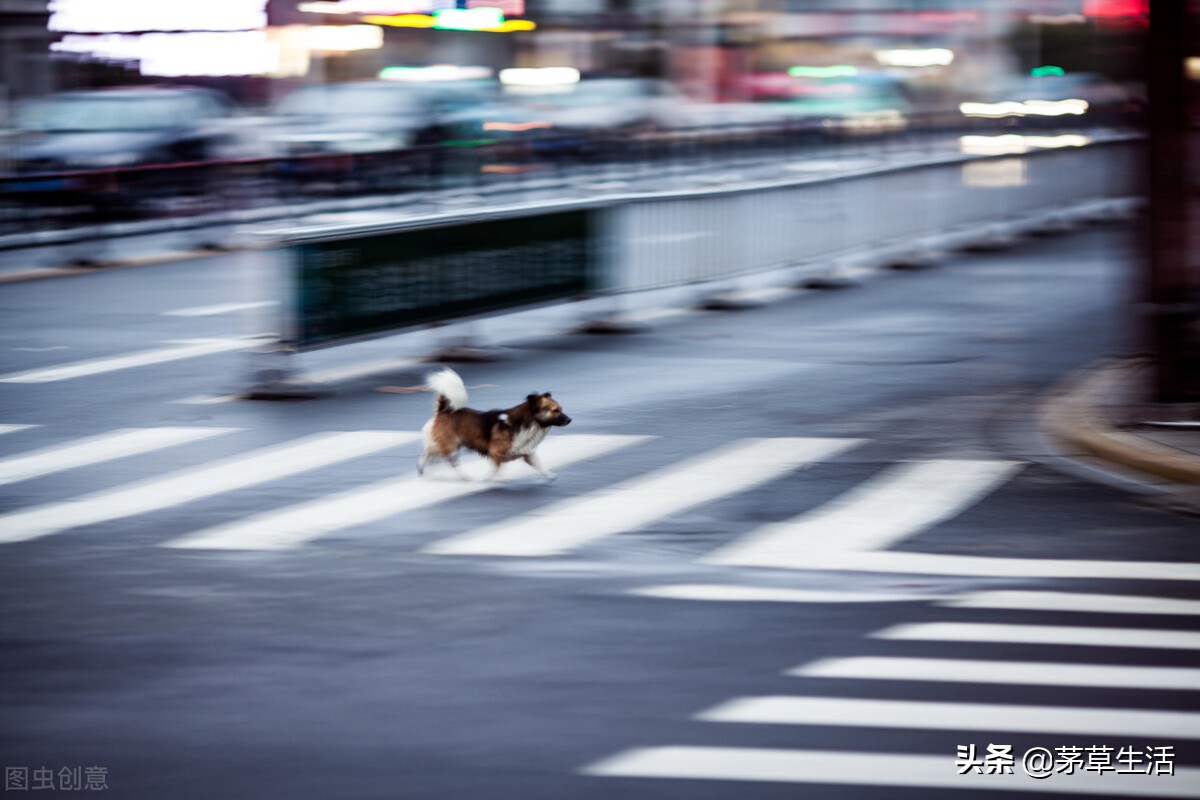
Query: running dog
column 501, row 435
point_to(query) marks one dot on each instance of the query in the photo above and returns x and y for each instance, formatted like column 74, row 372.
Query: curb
column 156, row 259
column 1077, row 417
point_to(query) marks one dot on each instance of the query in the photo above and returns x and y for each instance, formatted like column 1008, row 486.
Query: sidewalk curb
column 1076, row 418
column 151, row 260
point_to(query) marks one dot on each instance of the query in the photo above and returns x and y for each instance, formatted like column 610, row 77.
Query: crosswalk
column 564, row 526
column 894, row 505
column 198, row 483
column 293, row 526
column 854, row 530
column 1126, row 748
column 644, row 499
column 98, row 449
column 851, row 531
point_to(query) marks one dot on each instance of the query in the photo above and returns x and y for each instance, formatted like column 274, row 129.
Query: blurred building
column 712, row 49
column 24, row 47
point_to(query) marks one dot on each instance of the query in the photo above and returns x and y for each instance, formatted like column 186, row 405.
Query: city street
column 815, row 548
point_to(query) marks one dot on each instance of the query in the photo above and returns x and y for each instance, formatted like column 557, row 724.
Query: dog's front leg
column 532, row 461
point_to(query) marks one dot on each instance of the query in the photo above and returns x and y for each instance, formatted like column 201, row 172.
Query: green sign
column 374, row 283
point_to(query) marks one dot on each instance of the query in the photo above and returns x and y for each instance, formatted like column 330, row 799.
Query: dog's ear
column 532, row 400
column 547, row 394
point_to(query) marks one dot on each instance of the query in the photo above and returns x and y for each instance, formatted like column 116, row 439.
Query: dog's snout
column 565, row 420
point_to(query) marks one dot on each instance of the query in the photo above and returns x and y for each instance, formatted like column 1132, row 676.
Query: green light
column 468, row 19
column 837, row 71
column 1039, row 72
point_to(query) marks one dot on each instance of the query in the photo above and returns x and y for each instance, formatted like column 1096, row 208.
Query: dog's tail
column 449, row 388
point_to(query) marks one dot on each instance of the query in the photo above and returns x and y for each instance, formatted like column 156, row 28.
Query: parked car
column 125, row 127
column 119, row 151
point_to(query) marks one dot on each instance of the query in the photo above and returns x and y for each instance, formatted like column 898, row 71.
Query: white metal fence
column 654, row 241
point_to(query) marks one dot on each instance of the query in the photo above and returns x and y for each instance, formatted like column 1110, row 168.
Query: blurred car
column 365, row 116
column 1084, row 97
column 721, row 118
column 107, row 128
column 119, row 152
column 593, row 112
column 614, row 105
column 377, row 135
column 853, row 104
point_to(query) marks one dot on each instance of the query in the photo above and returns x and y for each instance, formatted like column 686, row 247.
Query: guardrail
column 661, row 240
column 348, row 282
column 37, row 198
column 352, row 285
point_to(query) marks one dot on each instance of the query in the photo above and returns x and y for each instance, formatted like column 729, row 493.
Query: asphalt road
column 805, row 550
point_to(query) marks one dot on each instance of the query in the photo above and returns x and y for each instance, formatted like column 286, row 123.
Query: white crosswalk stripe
column 987, row 717
column 99, row 449
column 912, row 563
column 1042, row 634
column 1075, row 601
column 295, row 525
column 239, row 472
column 1023, row 673
column 894, row 505
column 14, row 428
column 874, row 769
column 640, row 501
column 731, row 593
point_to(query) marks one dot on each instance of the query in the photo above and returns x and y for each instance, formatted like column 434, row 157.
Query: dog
column 502, row 435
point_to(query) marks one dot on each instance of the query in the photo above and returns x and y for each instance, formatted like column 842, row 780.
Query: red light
column 1116, row 8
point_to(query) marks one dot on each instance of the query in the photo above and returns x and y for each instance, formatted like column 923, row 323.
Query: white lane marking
column 985, row 566
column 875, row 769
column 1041, row 634
column 158, row 355
column 14, row 428
column 1072, row 601
column 294, row 525
column 1026, row 673
column 894, row 505
column 98, row 449
column 365, row 369
column 766, row 594
column 220, row 308
column 920, row 715
column 639, row 501
column 229, row 474
column 207, row 399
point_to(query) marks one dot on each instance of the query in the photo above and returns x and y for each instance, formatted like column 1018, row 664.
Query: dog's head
column 546, row 410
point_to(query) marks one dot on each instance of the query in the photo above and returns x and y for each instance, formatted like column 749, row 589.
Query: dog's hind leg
column 532, row 461
column 453, row 459
column 423, row 462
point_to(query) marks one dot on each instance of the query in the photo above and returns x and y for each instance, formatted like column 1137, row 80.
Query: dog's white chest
column 526, row 440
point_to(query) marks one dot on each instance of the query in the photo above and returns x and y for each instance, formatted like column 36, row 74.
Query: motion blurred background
column 135, row 107
column 120, row 110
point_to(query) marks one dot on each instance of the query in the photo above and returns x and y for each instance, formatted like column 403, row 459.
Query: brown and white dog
column 501, row 434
